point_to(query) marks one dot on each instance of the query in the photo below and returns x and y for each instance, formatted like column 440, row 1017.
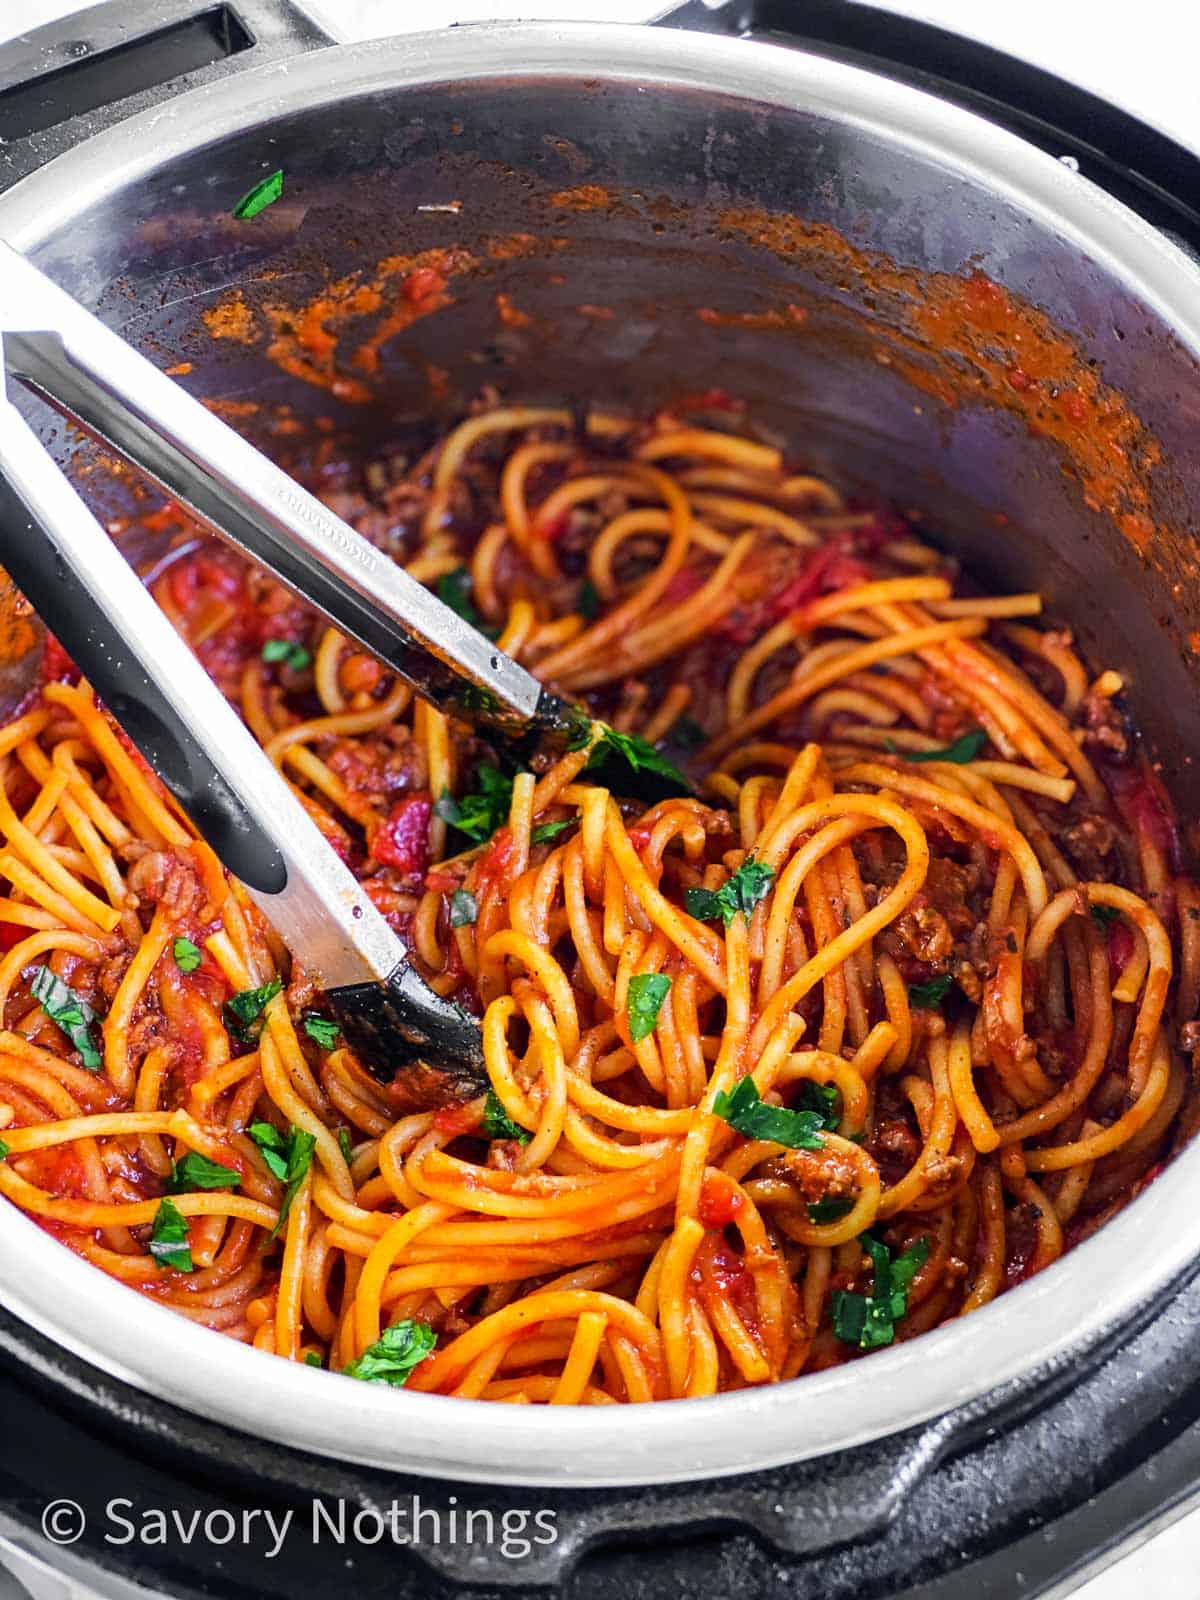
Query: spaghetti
column 876, row 1023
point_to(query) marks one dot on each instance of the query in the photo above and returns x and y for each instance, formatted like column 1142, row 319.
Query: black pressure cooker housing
column 1034, row 1483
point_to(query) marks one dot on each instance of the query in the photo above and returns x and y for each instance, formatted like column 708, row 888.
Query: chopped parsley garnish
column 960, row 752
column 497, row 1124
column 312, row 1359
column 464, row 909
column 638, row 755
column 821, row 1098
column 169, row 1238
column 831, row 1209
column 588, row 603
column 481, row 812
column 1105, row 914
column 70, row 1011
column 188, row 956
column 744, row 1108
column 394, row 1356
column 930, row 995
column 289, row 1156
column 647, row 991
column 4, row 1149
column 264, row 193
column 289, row 652
column 550, row 830
column 194, row 1171
column 243, row 1012
column 322, row 1032
column 869, row 1321
column 741, row 893
column 346, row 1145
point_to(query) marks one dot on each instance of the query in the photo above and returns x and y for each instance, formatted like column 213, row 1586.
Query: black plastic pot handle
column 64, row 82
column 1140, row 166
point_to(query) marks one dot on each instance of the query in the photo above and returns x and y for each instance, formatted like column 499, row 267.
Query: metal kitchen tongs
column 68, row 568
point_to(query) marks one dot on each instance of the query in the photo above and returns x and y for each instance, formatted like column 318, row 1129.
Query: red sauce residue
column 720, row 1201
column 441, row 882
column 791, row 316
column 510, row 315
column 231, row 319
column 59, row 1171
column 684, row 583
column 349, row 321
column 179, row 370
column 12, row 933
column 554, row 528
column 586, row 197
column 455, row 1120
column 403, row 840
column 496, row 862
column 1146, row 807
column 57, row 666
column 724, row 1272
column 828, row 569
column 966, row 338
column 710, row 400
column 1120, row 947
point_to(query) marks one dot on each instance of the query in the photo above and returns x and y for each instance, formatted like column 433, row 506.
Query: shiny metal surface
column 185, row 726
column 694, row 126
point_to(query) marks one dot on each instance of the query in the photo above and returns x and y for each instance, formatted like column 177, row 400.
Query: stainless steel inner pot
column 673, row 213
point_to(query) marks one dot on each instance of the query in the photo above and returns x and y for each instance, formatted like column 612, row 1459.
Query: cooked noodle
column 976, row 964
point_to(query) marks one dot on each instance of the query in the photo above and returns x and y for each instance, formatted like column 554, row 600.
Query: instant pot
column 932, row 270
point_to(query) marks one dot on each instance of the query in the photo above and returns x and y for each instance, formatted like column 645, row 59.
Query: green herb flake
column 188, row 956
column 4, row 1149
column 869, row 1321
column 464, row 909
column 289, row 1156
column 744, row 1108
column 639, row 756
column 346, row 1145
column 243, row 1012
column 288, row 652
column 546, row 831
column 821, row 1098
column 831, row 1209
column 194, row 1171
column 273, row 1146
column 264, row 194
column 322, row 1032
column 169, row 1238
column 497, row 1124
column 1105, row 914
column 312, row 1359
column 480, row 813
column 930, row 995
column 647, row 991
column 741, row 892
column 588, row 602
column 392, row 1358
column 70, row 1011
column 964, row 749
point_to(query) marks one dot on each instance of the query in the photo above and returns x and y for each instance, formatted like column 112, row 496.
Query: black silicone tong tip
column 401, row 1025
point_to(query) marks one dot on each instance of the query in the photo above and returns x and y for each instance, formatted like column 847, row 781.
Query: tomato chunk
column 403, row 840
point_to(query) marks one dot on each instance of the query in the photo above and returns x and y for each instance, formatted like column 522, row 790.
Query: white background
column 1143, row 54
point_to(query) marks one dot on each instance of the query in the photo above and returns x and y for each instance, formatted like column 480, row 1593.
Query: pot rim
column 1033, row 1328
